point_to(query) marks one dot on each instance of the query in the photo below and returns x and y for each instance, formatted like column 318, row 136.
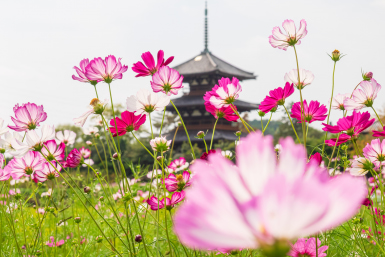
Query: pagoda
column 202, row 72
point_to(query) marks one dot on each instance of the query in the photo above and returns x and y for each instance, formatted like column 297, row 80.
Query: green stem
column 165, row 206
column 295, row 132
column 212, row 136
column 113, row 114
column 271, row 115
column 262, row 126
column 161, row 125
column 204, row 141
column 300, row 95
column 239, row 116
column 96, row 91
column 152, row 133
column 172, row 145
column 185, row 129
column 377, row 117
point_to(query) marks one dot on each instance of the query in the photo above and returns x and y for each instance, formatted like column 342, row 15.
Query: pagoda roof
column 196, row 100
column 206, row 63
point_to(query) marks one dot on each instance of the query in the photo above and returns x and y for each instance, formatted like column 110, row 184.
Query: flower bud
column 238, row 133
column 2, row 150
column 89, row 143
column 273, row 110
column 115, row 156
column 159, row 158
column 101, row 198
column 261, row 113
column 179, row 124
column 367, row 76
column 138, row 238
column 99, row 239
column 77, row 219
column 201, row 134
column 97, row 135
column 336, row 55
column 87, row 189
column 344, row 147
column 97, row 105
column 98, row 174
column 39, row 184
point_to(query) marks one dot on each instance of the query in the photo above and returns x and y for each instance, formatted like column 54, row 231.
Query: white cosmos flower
column 338, row 101
column 67, row 137
column 363, row 96
column 89, row 162
column 146, row 102
column 6, row 143
column 305, row 76
column 90, row 130
column 96, row 107
column 3, row 130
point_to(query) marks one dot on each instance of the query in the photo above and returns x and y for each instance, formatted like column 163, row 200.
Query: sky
column 42, row 40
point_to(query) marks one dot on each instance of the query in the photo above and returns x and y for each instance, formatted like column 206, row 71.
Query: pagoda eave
column 191, row 76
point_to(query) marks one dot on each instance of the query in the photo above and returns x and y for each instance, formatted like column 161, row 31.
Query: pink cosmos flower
column 312, row 112
column 82, row 73
column 316, row 158
column 4, row 173
column 48, row 172
column 160, row 144
column 177, row 182
column 338, row 101
column 74, row 159
column 96, row 107
column 53, row 243
column 379, row 133
column 375, row 152
column 277, row 97
column 105, row 70
column 305, row 76
column 352, row 125
column 27, row 117
column 67, row 137
column 292, row 36
column 170, row 203
column 145, row 102
column 167, row 80
column 26, row 166
column 223, row 112
column 261, row 199
column 56, row 151
column 128, row 123
column 307, row 247
column 343, row 138
column 85, row 152
column 149, row 67
column 364, row 96
column 225, row 93
column 178, row 165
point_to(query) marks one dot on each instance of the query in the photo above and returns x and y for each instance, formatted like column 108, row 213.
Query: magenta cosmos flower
column 155, row 204
column 351, row 126
column 82, row 72
column 316, row 158
column 105, row 70
column 262, row 200
column 56, row 151
column 27, row 117
column 47, row 172
column 128, row 123
column 364, row 96
column 277, row 97
column 225, row 93
column 224, row 112
column 74, row 159
column 375, row 152
column 312, row 112
column 178, row 165
column 379, row 133
column 306, row 78
column 292, row 36
column 26, row 166
column 307, row 247
column 177, row 182
column 149, row 67
column 166, row 80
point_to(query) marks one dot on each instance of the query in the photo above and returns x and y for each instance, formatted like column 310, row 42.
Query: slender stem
column 161, row 125
column 204, row 141
column 152, row 133
column 295, row 132
column 97, row 150
column 96, row 91
column 330, row 107
column 113, row 114
column 172, row 145
column 300, row 95
column 212, row 136
column 165, row 206
column 153, row 156
column 377, row 116
column 239, row 116
column 271, row 115
column 185, row 129
column 262, row 126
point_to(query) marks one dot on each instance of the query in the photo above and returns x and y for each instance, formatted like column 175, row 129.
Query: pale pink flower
column 53, row 243
column 90, row 130
column 364, row 96
column 85, row 152
column 225, row 93
column 306, row 78
column 167, row 80
column 3, row 130
column 55, row 151
column 13, row 192
column 96, row 107
column 154, row 173
column 338, row 101
column 160, row 144
column 48, row 193
column 40, row 210
column 105, row 70
column 307, row 247
column 261, row 199
column 360, row 166
column 117, row 196
column 178, row 165
column 25, row 166
column 48, row 172
column 89, row 143
column 292, row 36
column 146, row 102
column 375, row 152
column 67, row 137
column 89, row 162
column 28, row 117
column 149, row 67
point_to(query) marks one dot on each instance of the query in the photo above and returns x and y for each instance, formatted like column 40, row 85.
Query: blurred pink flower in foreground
column 292, row 36
column 105, row 70
column 277, row 97
column 312, row 112
column 167, row 80
column 149, row 67
column 28, row 117
column 364, row 96
column 260, row 201
column 128, row 123
column 307, row 247
column 225, row 93
column 306, row 78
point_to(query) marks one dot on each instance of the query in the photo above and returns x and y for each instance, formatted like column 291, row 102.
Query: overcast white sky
column 41, row 41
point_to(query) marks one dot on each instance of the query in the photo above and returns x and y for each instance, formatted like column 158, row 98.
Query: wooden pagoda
column 202, row 72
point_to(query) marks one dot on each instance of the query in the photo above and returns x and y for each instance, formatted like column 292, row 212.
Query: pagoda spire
column 206, row 50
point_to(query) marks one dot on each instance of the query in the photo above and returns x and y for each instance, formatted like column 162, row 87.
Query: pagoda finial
column 206, row 32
